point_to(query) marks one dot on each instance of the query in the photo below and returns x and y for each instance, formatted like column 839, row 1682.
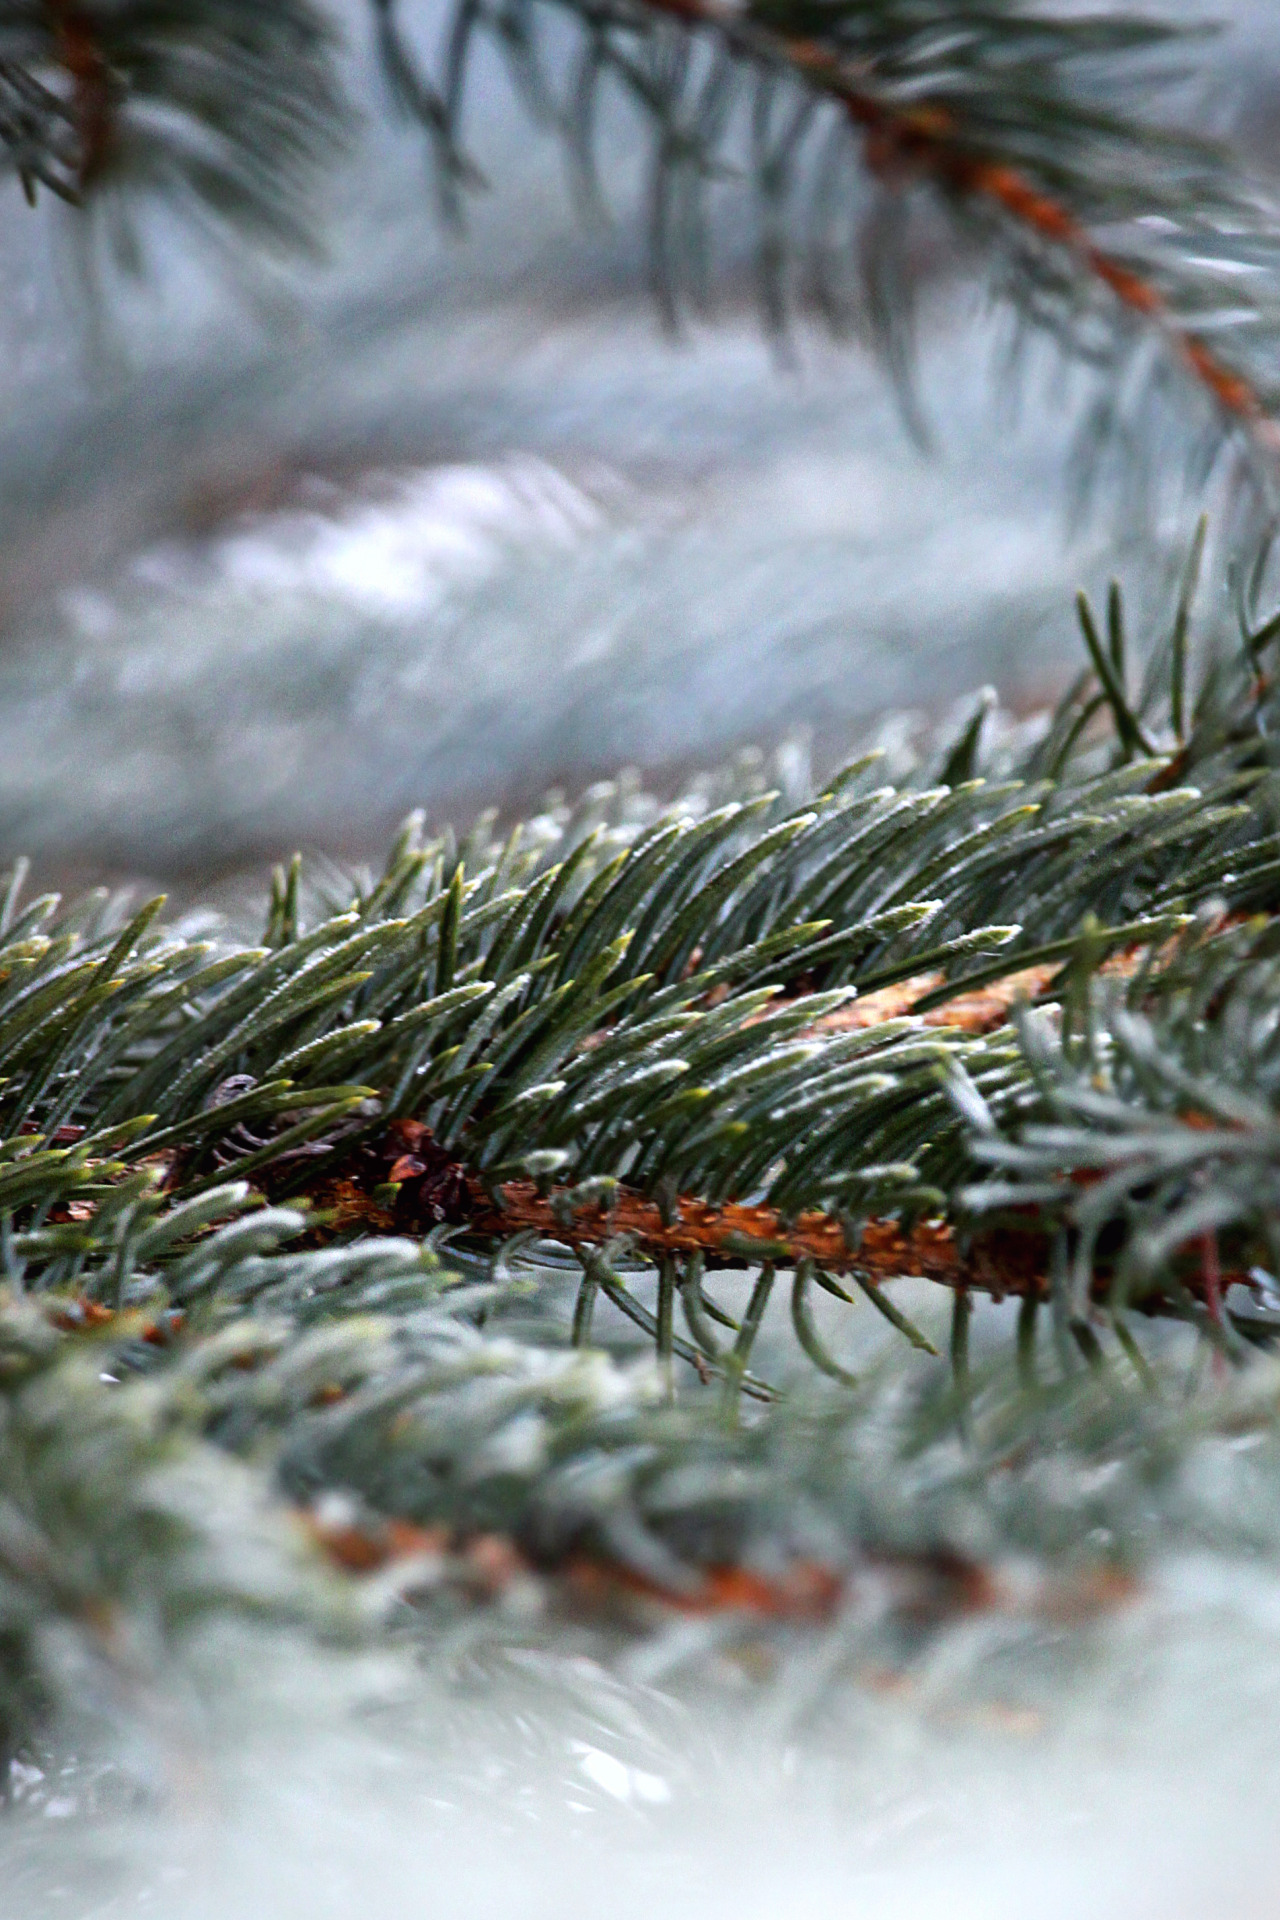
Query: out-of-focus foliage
column 1051, row 142
column 224, row 108
column 438, row 1437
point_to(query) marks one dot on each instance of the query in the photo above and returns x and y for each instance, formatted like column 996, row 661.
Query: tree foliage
column 459, row 1206
column 1050, row 141
column 350, row 1240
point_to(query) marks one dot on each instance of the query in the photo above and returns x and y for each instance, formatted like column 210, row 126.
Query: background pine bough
column 846, row 133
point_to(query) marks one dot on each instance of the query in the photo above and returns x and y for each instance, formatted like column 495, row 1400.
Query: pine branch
column 1153, row 1150
column 750, row 1033
column 928, row 139
column 1140, row 249
column 1143, row 251
column 227, row 108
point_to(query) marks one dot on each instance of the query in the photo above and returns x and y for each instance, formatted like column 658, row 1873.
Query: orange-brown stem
column 80, row 52
column 998, row 1263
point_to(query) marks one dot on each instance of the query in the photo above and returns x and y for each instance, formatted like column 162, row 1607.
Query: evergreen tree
column 332, row 1215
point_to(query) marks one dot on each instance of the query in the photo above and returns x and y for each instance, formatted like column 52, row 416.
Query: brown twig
column 977, row 1011
column 80, row 53
column 1002, row 1262
column 997, row 1263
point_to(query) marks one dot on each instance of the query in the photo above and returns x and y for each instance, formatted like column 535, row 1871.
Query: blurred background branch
column 1049, row 138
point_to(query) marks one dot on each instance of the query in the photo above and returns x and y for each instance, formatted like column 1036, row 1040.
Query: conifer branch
column 1140, row 249
column 927, row 139
column 227, row 108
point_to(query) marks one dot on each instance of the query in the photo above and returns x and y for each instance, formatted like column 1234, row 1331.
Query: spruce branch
column 754, row 1034
column 958, row 151
column 226, row 108
column 1142, row 250
column 1148, row 254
